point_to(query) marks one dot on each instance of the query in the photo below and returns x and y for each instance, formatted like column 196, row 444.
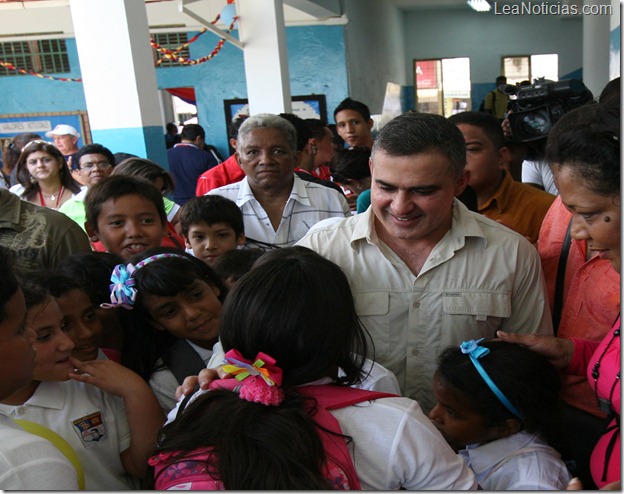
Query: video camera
column 537, row 107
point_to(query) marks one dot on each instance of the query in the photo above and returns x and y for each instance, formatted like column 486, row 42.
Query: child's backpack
column 189, row 473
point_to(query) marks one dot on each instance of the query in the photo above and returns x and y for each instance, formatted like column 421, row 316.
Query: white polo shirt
column 31, row 463
column 93, row 422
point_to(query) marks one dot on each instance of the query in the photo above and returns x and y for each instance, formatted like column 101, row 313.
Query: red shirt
column 226, row 173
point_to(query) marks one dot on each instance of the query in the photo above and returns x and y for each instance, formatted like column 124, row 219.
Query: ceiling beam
column 321, row 9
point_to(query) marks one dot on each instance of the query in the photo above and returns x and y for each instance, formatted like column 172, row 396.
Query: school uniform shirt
column 308, row 204
column 521, row 462
column 377, row 378
column 395, row 446
column 479, row 278
column 31, row 463
column 164, row 383
column 93, row 422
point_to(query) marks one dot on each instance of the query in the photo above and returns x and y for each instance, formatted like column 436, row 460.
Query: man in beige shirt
column 425, row 271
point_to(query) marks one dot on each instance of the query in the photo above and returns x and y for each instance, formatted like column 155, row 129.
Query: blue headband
column 123, row 294
column 475, row 352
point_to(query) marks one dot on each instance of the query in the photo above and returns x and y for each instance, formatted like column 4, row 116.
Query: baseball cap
column 61, row 130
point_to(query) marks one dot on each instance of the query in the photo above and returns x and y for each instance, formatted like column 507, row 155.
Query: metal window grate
column 171, row 41
column 46, row 56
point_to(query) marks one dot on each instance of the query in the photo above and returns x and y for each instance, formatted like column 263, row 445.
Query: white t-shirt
column 29, row 462
column 93, row 422
column 538, row 172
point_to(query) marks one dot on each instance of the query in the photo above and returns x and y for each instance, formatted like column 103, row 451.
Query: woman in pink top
column 583, row 151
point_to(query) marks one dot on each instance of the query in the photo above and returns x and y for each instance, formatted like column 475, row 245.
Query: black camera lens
column 535, row 124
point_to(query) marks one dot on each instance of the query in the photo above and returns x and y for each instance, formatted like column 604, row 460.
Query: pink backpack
column 189, row 473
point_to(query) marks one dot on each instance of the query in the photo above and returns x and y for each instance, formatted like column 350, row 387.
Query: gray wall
column 382, row 43
column 374, row 39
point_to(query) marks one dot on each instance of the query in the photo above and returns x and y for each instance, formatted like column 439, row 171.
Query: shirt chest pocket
column 483, row 306
column 373, row 309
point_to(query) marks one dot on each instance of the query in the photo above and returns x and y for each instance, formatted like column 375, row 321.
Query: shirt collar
column 500, row 198
column 298, row 192
column 483, row 457
column 463, row 225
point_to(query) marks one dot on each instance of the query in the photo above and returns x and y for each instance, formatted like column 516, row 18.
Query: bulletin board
column 40, row 123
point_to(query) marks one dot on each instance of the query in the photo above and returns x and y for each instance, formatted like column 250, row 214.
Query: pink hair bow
column 260, row 381
column 263, row 366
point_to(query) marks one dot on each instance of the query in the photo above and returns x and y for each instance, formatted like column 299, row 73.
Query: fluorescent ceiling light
column 479, row 5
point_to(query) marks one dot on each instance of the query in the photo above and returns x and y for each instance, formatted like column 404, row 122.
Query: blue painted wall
column 29, row 94
column 317, row 62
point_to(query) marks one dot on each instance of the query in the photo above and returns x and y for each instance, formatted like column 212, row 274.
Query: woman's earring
column 33, row 180
column 314, row 149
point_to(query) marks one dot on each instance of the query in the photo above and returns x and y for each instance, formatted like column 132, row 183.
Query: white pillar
column 596, row 40
column 117, row 66
column 615, row 37
column 262, row 32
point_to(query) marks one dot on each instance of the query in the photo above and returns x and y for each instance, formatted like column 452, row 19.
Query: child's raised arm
column 145, row 417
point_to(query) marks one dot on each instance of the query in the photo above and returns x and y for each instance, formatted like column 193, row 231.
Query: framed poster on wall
column 40, row 123
column 309, row 106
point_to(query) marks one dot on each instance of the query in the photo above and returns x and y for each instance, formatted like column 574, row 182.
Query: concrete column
column 262, row 32
column 117, row 66
column 596, row 40
column 615, row 36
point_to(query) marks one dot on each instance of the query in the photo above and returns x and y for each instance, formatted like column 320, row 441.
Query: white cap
column 61, row 130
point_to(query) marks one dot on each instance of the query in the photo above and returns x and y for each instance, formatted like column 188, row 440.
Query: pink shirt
column 591, row 296
column 605, row 459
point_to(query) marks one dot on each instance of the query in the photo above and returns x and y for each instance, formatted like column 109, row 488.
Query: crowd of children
column 293, row 398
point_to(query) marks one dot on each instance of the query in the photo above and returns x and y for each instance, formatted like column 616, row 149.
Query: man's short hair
column 95, row 149
column 211, row 209
column 316, row 127
column 269, row 121
column 417, row 133
column 501, row 79
column 116, row 186
column 489, row 124
column 351, row 104
column 302, row 128
column 190, row 132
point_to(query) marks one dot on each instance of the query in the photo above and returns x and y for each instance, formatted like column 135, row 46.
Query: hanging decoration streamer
column 167, row 54
column 36, row 74
column 173, row 54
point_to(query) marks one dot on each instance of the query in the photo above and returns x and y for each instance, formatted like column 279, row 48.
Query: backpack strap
column 561, row 271
column 61, row 444
column 332, row 397
column 183, row 361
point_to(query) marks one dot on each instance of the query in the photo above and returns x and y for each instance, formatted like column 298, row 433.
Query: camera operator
column 533, row 110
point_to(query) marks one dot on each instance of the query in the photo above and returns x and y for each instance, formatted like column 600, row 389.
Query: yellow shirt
column 498, row 105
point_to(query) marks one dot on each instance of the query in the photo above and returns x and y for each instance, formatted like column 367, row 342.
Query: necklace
column 604, row 404
column 52, row 197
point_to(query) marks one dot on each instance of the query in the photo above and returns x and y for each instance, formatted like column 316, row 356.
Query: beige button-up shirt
column 479, row 278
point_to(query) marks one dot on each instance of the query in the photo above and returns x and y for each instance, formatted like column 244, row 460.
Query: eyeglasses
column 89, row 167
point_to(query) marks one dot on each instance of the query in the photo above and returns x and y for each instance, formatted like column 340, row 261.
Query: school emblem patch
column 90, row 429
